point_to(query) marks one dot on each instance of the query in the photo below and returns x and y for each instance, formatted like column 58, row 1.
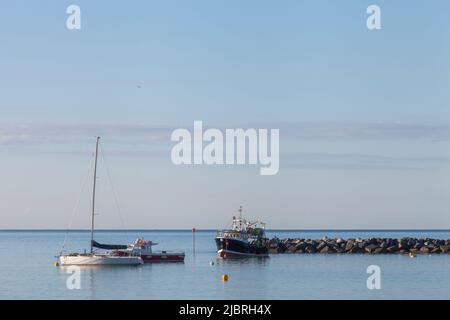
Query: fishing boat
column 92, row 257
column 244, row 239
column 143, row 249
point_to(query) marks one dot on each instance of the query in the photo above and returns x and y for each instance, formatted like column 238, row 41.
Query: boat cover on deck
column 108, row 246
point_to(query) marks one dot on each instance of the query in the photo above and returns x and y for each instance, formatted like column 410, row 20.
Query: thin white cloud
column 345, row 161
column 362, row 131
column 34, row 134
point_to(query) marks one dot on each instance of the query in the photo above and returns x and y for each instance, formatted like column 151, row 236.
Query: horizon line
column 209, row 230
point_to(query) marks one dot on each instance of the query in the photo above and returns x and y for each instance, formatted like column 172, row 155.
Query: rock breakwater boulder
column 363, row 246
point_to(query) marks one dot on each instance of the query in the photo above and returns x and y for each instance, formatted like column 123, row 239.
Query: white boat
column 93, row 258
column 143, row 249
column 98, row 259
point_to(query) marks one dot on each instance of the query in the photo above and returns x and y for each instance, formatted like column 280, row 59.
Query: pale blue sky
column 363, row 115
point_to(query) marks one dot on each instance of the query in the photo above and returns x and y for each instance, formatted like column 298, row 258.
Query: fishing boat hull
column 163, row 257
column 94, row 260
column 234, row 248
column 155, row 256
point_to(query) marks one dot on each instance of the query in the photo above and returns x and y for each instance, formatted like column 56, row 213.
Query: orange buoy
column 224, row 277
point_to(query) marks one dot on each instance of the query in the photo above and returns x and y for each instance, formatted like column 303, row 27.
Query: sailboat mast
column 93, row 196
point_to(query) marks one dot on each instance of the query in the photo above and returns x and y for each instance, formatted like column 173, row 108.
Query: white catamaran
column 93, row 258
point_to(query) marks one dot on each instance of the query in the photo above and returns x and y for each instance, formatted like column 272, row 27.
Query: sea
column 27, row 269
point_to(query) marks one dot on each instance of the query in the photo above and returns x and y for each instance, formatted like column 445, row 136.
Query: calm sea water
column 27, row 271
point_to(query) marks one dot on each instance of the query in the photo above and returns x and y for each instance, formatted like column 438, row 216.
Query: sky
column 363, row 115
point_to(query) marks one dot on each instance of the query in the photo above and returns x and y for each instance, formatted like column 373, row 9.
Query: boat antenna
column 240, row 217
column 93, row 195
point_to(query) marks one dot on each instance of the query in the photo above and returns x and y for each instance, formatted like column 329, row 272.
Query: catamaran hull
column 98, row 260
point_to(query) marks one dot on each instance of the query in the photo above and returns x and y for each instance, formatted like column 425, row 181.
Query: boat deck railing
column 232, row 234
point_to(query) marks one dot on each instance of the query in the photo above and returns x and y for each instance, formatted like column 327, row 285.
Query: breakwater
column 367, row 246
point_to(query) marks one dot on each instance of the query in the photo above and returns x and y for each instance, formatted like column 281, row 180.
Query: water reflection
column 262, row 261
